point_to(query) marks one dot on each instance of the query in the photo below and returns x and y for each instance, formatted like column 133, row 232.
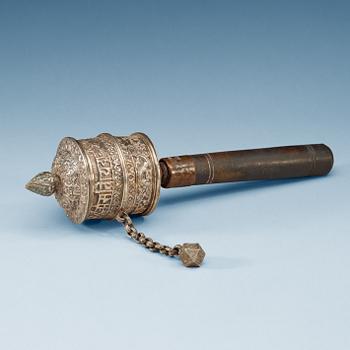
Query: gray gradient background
column 196, row 76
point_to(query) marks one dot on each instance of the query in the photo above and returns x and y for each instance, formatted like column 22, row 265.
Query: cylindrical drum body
column 99, row 177
column 255, row 164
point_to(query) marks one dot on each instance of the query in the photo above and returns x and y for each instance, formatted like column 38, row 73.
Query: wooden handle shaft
column 255, row 164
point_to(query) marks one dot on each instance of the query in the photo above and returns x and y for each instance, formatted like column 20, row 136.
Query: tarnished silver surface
column 70, row 167
column 191, row 254
column 43, row 183
column 97, row 178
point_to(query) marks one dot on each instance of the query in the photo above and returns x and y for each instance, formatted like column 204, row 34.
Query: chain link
column 147, row 242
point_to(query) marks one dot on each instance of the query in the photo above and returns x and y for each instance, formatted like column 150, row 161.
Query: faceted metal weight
column 191, row 254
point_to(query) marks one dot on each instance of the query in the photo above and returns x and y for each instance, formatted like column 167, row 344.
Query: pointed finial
column 44, row 184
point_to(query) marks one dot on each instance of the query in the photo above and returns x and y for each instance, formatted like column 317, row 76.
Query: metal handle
column 255, row 164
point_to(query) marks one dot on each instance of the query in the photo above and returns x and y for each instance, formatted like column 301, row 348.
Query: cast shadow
column 109, row 226
column 171, row 197
column 225, row 263
column 202, row 192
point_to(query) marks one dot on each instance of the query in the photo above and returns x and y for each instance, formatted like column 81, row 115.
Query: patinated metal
column 191, row 254
column 99, row 177
column 113, row 177
column 43, row 183
column 255, row 164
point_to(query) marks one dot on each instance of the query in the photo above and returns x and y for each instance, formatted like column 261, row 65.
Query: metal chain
column 147, row 242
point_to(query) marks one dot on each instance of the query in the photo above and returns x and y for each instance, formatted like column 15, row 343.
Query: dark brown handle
column 255, row 164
